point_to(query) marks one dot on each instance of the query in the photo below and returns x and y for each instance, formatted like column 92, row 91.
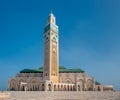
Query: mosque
column 53, row 77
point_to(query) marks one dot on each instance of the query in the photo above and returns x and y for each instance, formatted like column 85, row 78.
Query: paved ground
column 63, row 96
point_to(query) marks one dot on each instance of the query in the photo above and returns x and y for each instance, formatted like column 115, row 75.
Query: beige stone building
column 53, row 77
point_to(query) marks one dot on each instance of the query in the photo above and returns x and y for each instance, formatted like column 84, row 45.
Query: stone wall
column 35, row 82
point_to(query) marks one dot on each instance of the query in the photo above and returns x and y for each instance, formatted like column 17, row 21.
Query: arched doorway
column 58, row 87
column 61, row 87
column 89, row 85
column 78, row 87
column 23, row 88
column 54, row 87
column 49, row 87
column 12, row 85
column 68, row 87
column 81, row 84
column 42, row 87
column 12, row 89
column 98, row 88
column 64, row 87
column 73, row 88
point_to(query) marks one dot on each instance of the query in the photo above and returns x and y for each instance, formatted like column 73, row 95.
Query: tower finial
column 51, row 11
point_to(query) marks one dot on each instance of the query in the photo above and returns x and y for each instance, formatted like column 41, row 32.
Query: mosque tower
column 51, row 54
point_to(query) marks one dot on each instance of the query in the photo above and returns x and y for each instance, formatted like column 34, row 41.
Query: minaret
column 51, row 62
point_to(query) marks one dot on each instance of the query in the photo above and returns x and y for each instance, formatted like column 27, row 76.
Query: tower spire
column 51, row 18
column 51, row 11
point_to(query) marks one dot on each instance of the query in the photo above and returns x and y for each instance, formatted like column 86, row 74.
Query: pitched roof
column 62, row 69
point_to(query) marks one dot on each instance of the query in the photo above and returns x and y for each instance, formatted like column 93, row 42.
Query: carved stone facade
column 67, row 82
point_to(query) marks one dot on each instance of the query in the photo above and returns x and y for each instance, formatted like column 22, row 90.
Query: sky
column 89, row 37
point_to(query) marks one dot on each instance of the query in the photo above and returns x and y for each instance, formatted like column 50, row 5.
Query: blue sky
column 89, row 32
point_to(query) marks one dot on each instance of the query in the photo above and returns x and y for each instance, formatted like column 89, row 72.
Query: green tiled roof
column 97, row 83
column 31, row 71
column 62, row 69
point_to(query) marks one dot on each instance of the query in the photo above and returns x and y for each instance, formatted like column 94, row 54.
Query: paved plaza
column 65, row 95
